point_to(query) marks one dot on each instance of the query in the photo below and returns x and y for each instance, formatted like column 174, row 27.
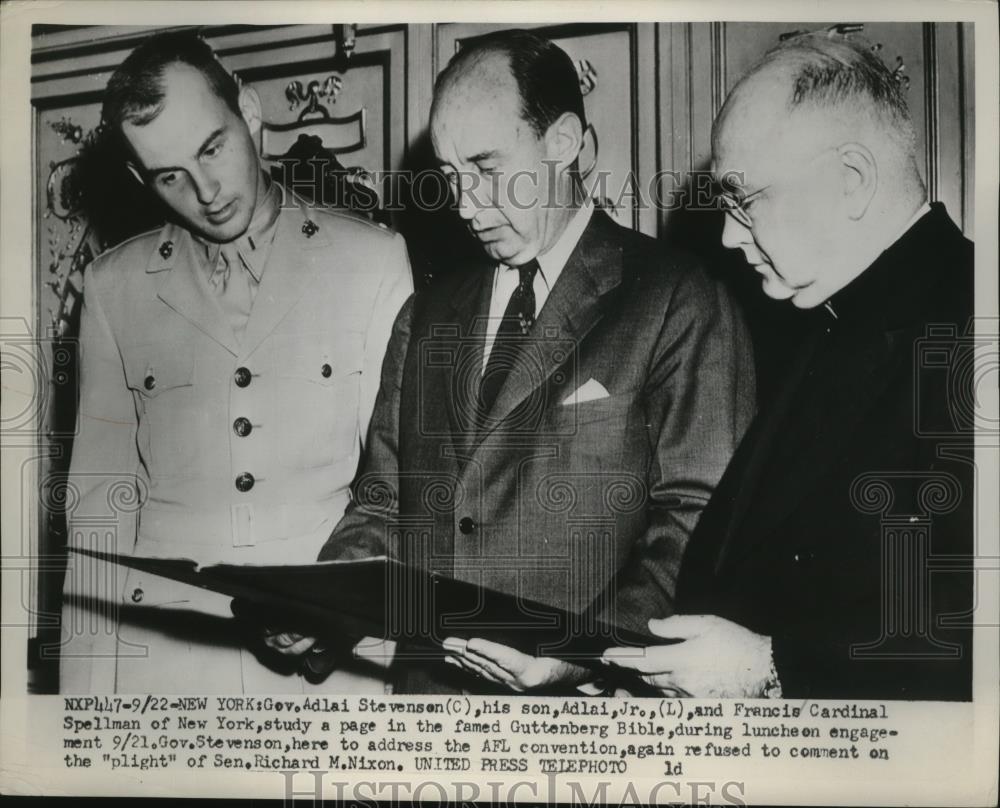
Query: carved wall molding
column 932, row 121
column 311, row 95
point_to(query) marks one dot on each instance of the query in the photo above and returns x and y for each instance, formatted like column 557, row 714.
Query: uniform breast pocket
column 318, row 394
column 162, row 378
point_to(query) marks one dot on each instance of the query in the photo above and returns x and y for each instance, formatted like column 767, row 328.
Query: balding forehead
column 485, row 81
column 484, row 73
column 757, row 103
column 757, row 118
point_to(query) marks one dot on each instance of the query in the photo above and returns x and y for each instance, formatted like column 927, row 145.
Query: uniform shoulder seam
column 121, row 245
column 356, row 218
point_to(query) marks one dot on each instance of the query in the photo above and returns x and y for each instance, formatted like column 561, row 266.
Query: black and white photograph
column 449, row 395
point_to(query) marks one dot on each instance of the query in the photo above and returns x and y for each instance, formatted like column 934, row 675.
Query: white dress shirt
column 550, row 266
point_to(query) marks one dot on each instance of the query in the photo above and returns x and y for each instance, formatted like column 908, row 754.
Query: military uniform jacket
column 557, row 495
column 191, row 444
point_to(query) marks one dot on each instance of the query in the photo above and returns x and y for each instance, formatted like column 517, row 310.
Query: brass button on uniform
column 137, row 595
column 149, row 382
column 326, row 370
column 244, row 482
column 242, row 377
column 466, row 525
column 242, row 427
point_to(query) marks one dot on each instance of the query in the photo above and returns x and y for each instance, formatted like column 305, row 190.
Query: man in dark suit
column 810, row 572
column 559, row 414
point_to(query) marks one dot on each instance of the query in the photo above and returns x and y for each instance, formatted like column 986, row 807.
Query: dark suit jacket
column 853, row 485
column 549, row 500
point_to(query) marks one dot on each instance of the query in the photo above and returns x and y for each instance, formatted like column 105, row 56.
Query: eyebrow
column 201, row 150
column 491, row 154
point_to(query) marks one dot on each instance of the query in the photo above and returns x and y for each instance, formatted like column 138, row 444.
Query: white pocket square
column 590, row 391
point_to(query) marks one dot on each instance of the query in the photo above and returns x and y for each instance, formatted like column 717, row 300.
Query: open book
column 384, row 598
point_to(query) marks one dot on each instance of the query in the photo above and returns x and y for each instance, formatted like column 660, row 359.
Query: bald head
column 484, row 78
column 544, row 76
column 815, row 90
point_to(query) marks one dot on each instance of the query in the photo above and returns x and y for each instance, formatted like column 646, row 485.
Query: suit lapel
column 293, row 262
column 470, row 305
column 574, row 306
column 185, row 291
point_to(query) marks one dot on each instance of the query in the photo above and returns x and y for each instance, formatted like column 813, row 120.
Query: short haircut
column 135, row 90
column 828, row 70
column 547, row 82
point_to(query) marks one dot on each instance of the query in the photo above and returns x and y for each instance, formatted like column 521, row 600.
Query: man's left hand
column 716, row 658
column 503, row 665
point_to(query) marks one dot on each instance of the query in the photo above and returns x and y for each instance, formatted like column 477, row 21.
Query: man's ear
column 564, row 140
column 135, row 172
column 859, row 169
column 251, row 108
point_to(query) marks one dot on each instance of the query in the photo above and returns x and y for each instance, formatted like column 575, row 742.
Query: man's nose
column 205, row 186
column 735, row 234
column 466, row 209
column 467, row 196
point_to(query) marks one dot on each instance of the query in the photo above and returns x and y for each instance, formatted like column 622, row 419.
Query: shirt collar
column 552, row 262
column 253, row 245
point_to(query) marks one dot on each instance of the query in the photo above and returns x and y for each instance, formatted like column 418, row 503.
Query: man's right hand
column 316, row 659
column 290, row 644
column 257, row 623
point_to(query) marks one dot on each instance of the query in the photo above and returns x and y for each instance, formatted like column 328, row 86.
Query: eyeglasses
column 739, row 206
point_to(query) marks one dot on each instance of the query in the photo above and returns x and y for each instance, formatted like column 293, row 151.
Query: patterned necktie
column 232, row 281
column 515, row 325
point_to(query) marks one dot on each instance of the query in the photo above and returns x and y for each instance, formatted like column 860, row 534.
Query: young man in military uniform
column 229, row 367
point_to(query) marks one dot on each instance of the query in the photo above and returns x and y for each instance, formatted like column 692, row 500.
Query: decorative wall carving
column 588, row 76
column 312, row 94
column 67, row 232
column 844, row 29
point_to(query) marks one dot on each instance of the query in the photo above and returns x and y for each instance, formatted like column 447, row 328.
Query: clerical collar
column 842, row 299
column 921, row 211
column 254, row 243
